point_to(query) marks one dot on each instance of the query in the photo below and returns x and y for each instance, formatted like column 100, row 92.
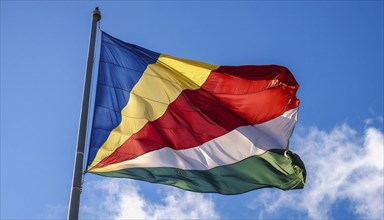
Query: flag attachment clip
column 287, row 154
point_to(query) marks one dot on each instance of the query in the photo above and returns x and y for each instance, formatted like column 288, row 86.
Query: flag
column 189, row 124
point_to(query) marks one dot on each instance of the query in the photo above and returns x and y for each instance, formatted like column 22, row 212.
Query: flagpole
column 74, row 201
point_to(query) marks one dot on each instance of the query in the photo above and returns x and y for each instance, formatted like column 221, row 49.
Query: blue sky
column 334, row 49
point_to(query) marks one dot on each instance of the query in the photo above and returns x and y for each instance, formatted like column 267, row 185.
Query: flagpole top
column 96, row 13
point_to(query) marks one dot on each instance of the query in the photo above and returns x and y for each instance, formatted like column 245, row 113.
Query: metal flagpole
column 74, row 201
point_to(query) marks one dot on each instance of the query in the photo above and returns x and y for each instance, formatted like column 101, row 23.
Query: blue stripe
column 120, row 68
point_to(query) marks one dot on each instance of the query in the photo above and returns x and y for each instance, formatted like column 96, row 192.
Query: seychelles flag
column 196, row 126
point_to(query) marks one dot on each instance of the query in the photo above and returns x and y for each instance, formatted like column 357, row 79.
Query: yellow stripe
column 161, row 83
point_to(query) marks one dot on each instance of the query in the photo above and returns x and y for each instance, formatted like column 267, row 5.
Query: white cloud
column 342, row 165
column 121, row 199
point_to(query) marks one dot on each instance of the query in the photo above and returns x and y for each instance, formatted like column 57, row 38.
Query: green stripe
column 271, row 169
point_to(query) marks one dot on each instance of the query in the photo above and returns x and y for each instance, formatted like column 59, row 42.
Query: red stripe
column 231, row 97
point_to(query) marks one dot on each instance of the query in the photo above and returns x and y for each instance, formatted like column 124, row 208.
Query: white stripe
column 230, row 148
